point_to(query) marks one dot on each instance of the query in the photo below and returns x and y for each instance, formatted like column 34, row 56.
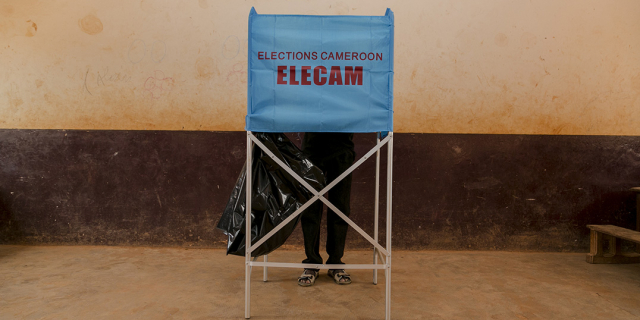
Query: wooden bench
column 615, row 235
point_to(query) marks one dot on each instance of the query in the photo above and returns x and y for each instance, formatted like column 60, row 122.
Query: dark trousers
column 340, row 196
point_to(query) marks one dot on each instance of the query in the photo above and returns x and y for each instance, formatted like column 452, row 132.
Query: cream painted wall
column 511, row 67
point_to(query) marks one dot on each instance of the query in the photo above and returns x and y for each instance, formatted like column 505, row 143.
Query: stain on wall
column 203, row 4
column 206, row 68
column 501, row 40
column 451, row 191
column 90, row 24
column 32, row 27
column 537, row 67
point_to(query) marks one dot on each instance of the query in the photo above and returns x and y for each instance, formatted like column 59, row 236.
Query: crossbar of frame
column 317, row 266
column 255, row 263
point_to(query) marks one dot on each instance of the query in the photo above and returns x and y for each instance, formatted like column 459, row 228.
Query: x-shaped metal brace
column 318, row 195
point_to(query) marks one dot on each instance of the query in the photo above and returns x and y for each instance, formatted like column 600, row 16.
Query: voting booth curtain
column 320, row 73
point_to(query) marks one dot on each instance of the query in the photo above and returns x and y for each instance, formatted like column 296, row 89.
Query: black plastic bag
column 275, row 195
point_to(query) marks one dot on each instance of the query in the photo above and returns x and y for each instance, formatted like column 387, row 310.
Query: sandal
column 308, row 277
column 339, row 276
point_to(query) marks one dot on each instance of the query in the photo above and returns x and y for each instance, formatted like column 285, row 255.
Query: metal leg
column 247, row 234
column 264, row 270
column 389, row 206
column 387, row 293
column 376, row 211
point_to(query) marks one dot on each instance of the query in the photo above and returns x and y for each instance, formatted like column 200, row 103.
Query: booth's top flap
column 320, row 73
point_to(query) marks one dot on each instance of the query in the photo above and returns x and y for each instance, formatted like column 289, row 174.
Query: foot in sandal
column 339, row 276
column 308, row 277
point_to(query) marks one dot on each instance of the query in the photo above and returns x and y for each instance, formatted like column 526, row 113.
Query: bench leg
column 614, row 254
column 638, row 219
column 596, row 245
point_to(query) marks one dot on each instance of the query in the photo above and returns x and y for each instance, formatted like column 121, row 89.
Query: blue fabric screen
column 320, row 73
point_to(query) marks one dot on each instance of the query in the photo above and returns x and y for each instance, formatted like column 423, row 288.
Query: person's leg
column 310, row 220
column 312, row 217
column 340, row 196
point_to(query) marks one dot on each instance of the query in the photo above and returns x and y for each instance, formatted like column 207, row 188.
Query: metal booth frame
column 371, row 111
column 378, row 251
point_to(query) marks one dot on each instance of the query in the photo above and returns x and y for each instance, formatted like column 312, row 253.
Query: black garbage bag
column 276, row 195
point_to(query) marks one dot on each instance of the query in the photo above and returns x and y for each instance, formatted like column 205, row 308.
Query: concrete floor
column 83, row 282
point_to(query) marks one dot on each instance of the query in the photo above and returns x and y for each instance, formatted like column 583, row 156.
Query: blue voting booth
column 321, row 74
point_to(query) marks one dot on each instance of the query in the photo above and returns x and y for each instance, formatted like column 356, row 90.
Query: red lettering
column 273, row 55
column 330, row 56
column 317, row 71
column 281, row 75
column 339, row 55
column 365, row 56
column 354, row 55
column 314, row 56
column 336, row 76
column 371, row 56
column 304, row 76
column 280, row 53
column 292, row 76
column 307, row 56
column 260, row 55
column 323, row 56
column 352, row 77
column 379, row 56
column 347, row 55
column 299, row 55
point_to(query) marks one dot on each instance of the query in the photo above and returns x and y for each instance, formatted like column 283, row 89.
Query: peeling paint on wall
column 542, row 67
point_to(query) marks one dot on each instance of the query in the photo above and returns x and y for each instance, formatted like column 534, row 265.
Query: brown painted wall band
column 451, row 191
